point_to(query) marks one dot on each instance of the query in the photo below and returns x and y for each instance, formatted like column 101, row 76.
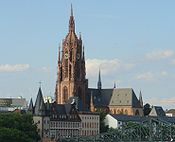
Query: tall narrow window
column 65, row 94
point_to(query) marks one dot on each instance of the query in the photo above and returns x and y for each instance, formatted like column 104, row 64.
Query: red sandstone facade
column 71, row 76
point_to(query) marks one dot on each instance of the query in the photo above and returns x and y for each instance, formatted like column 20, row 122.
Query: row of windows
column 90, row 117
column 119, row 111
column 89, row 132
column 122, row 111
column 64, row 124
column 90, row 125
column 64, row 133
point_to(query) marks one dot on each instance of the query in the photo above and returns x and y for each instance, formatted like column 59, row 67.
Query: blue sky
column 131, row 41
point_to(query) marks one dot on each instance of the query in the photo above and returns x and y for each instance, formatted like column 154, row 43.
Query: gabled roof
column 31, row 108
column 124, row 97
column 157, row 111
column 63, row 110
column 114, row 97
column 100, row 97
column 127, row 118
column 39, row 104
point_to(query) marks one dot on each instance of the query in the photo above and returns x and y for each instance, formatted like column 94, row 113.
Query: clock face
column 66, row 56
column 78, row 56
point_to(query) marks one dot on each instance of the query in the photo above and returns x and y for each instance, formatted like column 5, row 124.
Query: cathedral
column 72, row 85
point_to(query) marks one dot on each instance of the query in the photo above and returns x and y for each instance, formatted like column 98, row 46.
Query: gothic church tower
column 71, row 75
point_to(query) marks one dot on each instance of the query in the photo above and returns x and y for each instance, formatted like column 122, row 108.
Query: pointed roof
column 157, row 111
column 71, row 21
column 92, row 109
column 140, row 99
column 39, row 104
column 124, row 97
column 71, row 36
column 30, row 105
column 99, row 84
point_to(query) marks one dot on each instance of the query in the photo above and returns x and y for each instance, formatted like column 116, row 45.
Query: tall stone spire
column 99, row 84
column 31, row 108
column 140, row 99
column 71, row 72
column 71, row 22
column 59, row 54
column 39, row 104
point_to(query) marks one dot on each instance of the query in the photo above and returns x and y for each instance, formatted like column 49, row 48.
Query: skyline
column 131, row 42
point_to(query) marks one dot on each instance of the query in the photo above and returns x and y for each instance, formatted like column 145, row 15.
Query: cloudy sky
column 131, row 41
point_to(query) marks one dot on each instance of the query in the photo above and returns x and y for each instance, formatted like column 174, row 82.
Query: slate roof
column 39, row 108
column 127, row 118
column 31, row 107
column 171, row 111
column 157, row 111
column 114, row 97
column 100, row 97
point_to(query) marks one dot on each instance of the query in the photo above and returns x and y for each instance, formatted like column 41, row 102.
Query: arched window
column 66, row 56
column 126, row 111
column 137, row 112
column 114, row 111
column 65, row 94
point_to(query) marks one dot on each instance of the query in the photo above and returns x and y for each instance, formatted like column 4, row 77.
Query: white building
column 117, row 120
column 90, row 123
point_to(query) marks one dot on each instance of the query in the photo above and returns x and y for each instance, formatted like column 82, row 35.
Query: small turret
column 140, row 99
column 39, row 104
column 71, row 22
column 31, row 108
column 92, row 108
column 99, row 84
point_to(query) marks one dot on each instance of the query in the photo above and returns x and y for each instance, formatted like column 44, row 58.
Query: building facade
column 72, row 82
column 58, row 121
column 90, row 123
column 11, row 104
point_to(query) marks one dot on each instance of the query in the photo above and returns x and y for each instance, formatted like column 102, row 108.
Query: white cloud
column 165, row 101
column 145, row 76
column 13, row 68
column 150, row 76
column 163, row 73
column 173, row 62
column 45, row 69
column 107, row 66
column 160, row 54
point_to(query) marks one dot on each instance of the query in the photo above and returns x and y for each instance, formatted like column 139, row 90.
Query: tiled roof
column 39, row 104
column 114, row 97
column 157, row 111
column 127, row 118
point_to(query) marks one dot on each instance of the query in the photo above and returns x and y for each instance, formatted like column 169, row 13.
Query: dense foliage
column 16, row 127
column 103, row 127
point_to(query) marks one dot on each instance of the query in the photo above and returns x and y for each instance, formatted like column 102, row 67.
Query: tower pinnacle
column 140, row 99
column 71, row 22
column 99, row 84
column 71, row 10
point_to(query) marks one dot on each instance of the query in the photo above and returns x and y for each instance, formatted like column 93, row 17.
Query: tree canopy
column 16, row 127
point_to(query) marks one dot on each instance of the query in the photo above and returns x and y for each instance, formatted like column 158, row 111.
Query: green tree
column 103, row 127
column 16, row 127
